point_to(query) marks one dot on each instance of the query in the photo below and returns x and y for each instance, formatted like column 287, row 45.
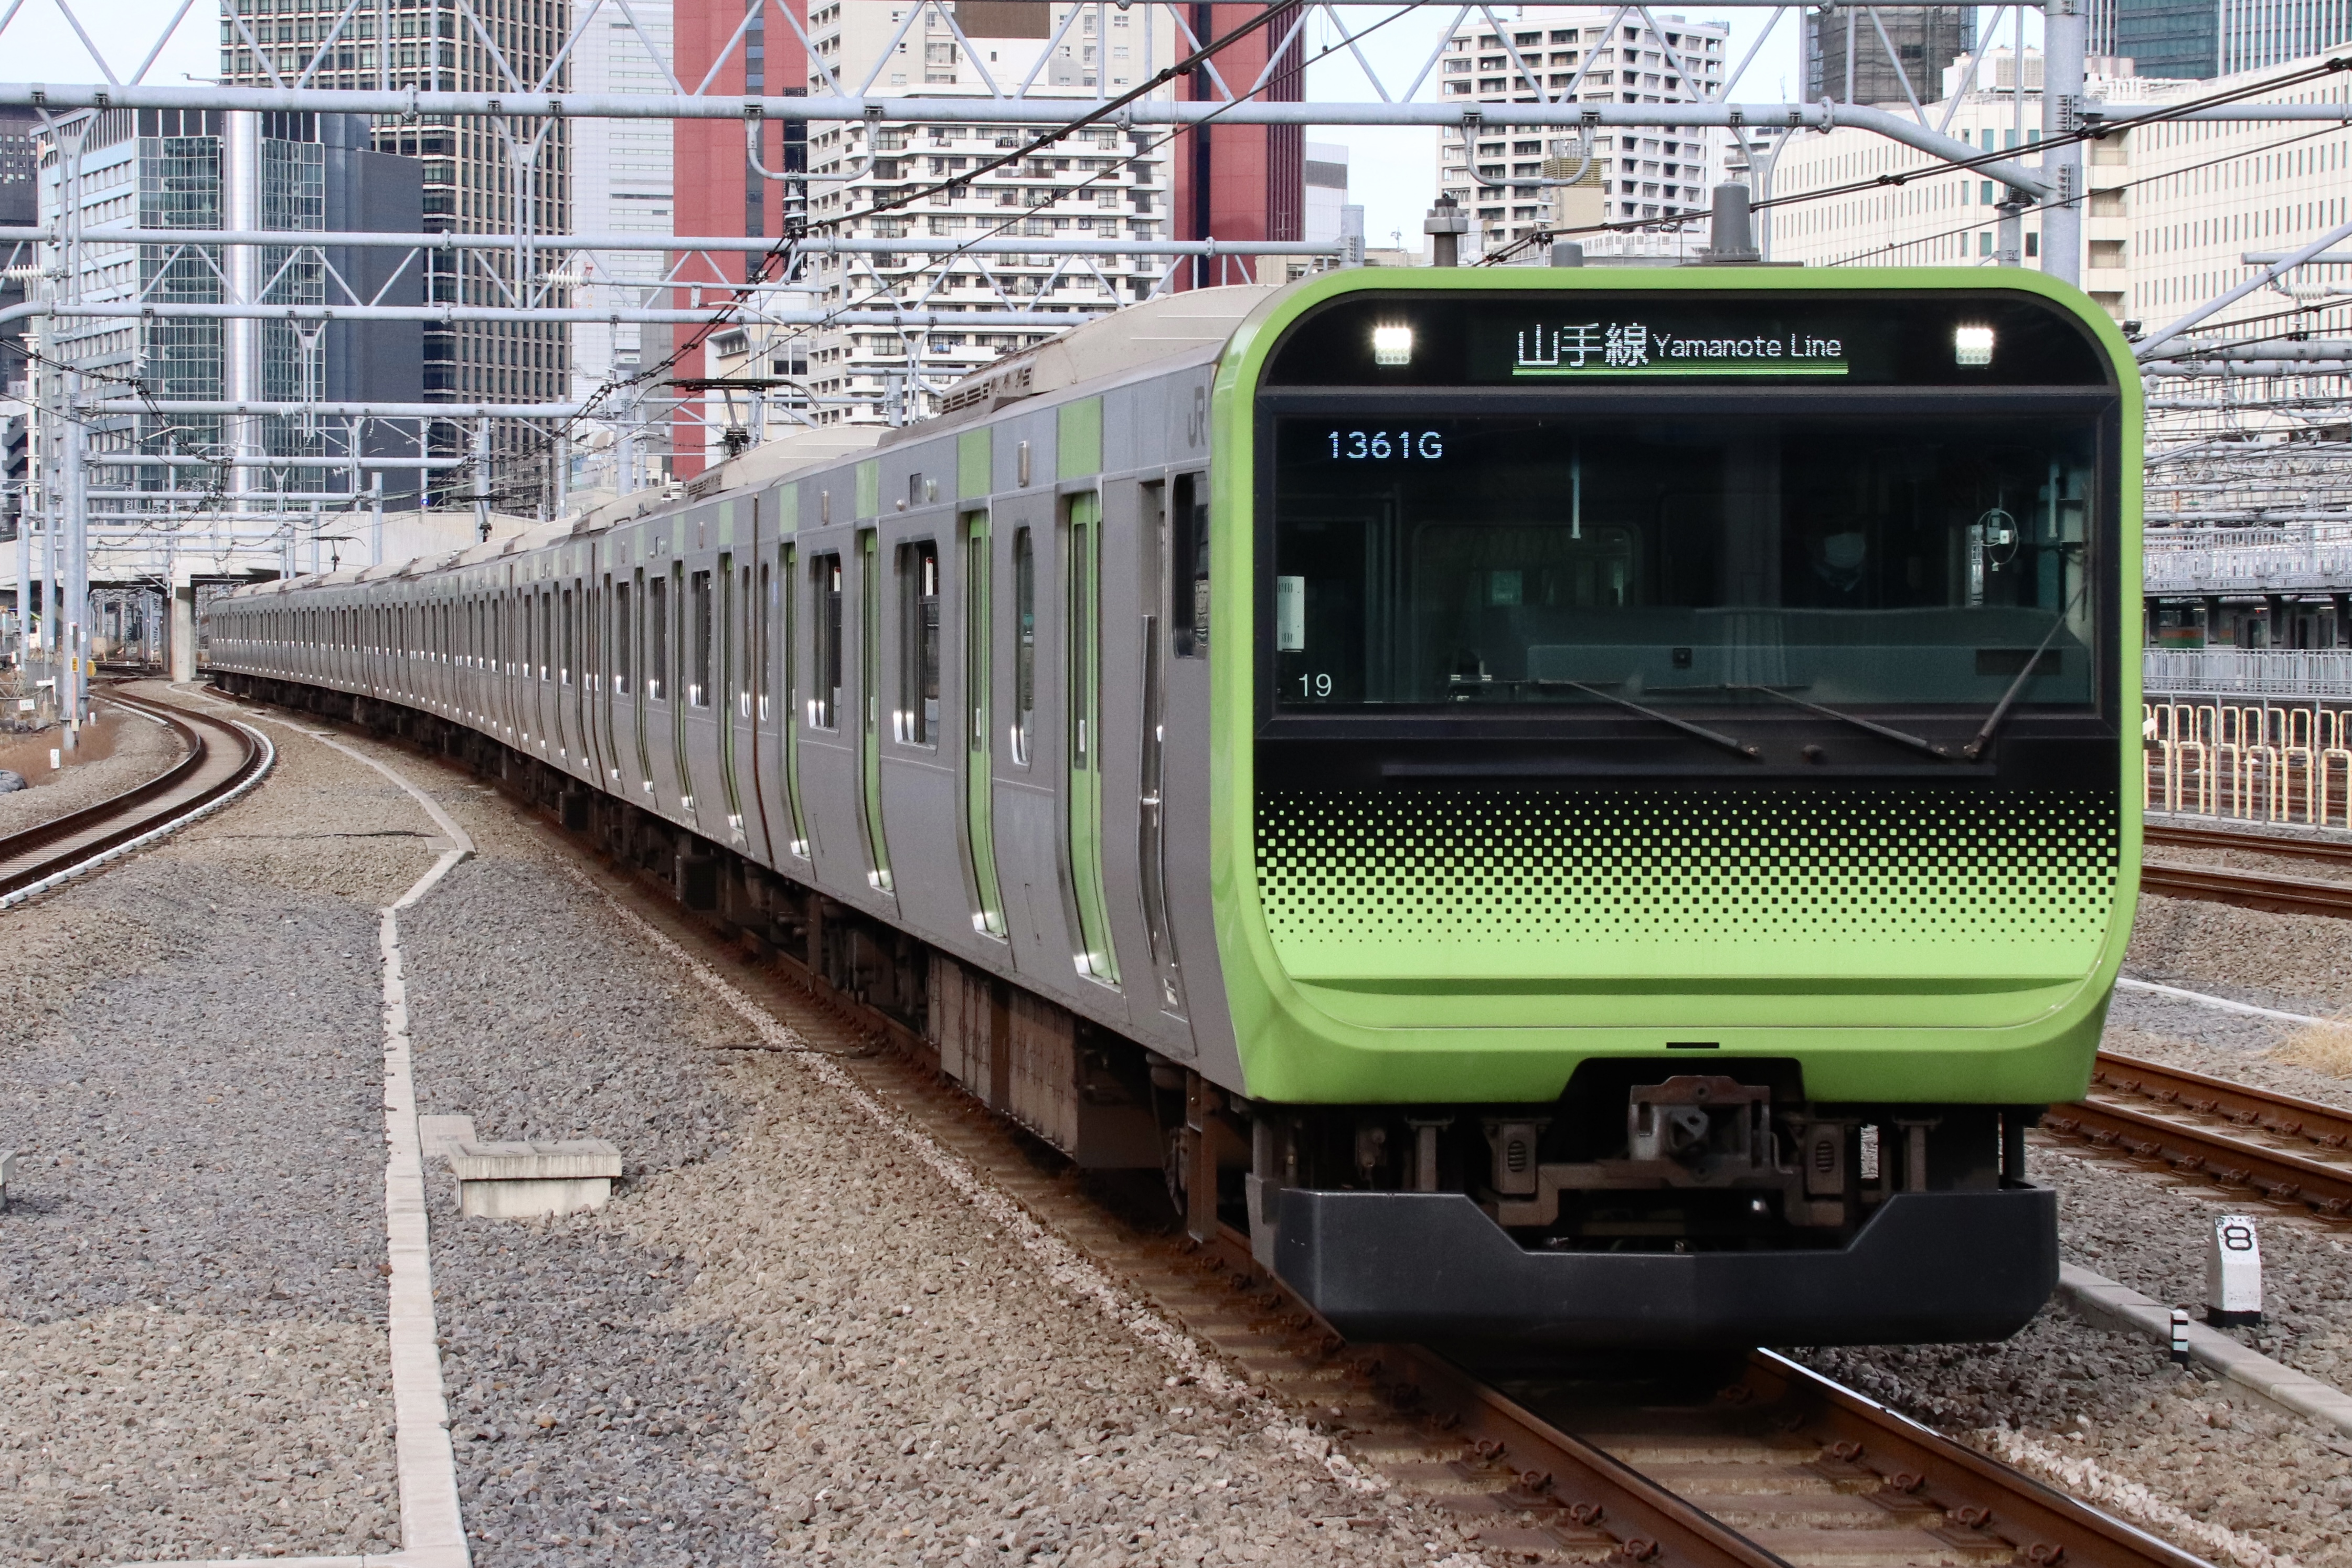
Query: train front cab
column 1677, row 835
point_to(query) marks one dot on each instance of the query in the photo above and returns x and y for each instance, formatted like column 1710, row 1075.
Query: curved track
column 2248, row 889
column 1677, row 1461
column 2292, row 1150
column 220, row 757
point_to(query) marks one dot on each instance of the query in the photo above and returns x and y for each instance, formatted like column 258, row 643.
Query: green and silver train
column 1576, row 807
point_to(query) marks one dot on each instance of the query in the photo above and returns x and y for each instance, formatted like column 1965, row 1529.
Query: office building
column 2195, row 39
column 1325, row 187
column 1847, row 60
column 622, row 184
column 20, row 208
column 731, row 181
column 1570, row 55
column 210, row 169
column 1235, row 181
column 474, row 182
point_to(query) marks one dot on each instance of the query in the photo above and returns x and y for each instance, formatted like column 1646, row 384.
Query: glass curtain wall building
column 481, row 176
column 2194, row 39
column 200, row 170
column 1926, row 40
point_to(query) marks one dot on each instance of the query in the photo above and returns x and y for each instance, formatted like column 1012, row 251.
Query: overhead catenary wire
column 2091, row 130
column 786, row 246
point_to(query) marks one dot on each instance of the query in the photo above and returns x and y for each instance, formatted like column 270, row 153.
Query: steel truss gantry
column 541, row 276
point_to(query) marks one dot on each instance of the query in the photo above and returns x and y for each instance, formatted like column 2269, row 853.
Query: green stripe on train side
column 1077, row 439
column 1895, row 1019
column 975, row 465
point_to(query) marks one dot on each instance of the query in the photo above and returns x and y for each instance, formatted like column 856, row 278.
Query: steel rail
column 2290, row 1150
column 2324, row 850
column 219, row 757
column 2247, row 889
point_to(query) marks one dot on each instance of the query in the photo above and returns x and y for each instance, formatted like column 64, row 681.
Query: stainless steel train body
column 988, row 722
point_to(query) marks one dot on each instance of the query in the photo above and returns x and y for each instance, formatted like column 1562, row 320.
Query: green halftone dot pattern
column 1346, row 877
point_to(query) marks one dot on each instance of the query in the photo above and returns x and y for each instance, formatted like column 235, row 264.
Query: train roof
column 1193, row 325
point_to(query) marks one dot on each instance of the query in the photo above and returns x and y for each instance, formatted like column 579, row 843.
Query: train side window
column 760, row 640
column 1189, row 617
column 918, row 719
column 824, row 583
column 623, row 666
column 746, row 618
column 788, row 562
column 570, row 649
column 979, row 632
column 1024, row 642
column 657, row 642
column 869, row 697
column 697, row 686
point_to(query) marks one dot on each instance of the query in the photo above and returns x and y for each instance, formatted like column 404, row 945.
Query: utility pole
column 73, row 677
column 25, row 514
column 2063, row 30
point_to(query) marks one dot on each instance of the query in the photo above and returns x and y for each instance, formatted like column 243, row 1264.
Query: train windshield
column 1898, row 561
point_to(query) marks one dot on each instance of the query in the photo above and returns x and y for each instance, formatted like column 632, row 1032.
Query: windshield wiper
column 1726, row 742
column 1883, row 732
column 1974, row 750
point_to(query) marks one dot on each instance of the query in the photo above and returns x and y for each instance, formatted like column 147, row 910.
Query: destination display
column 1644, row 347
column 1538, row 341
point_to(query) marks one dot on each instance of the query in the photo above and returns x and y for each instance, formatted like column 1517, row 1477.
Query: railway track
column 220, row 756
column 2269, row 891
column 1754, row 1463
column 2291, row 1151
column 1744, row 1462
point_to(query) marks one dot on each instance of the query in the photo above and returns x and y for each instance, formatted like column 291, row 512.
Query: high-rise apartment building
column 1573, row 55
column 194, row 169
column 1101, row 184
column 2192, row 39
column 482, row 175
column 1846, row 58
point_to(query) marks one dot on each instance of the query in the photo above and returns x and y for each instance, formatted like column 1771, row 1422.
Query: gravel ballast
column 786, row 1338
column 2203, row 1461
column 192, row 1358
column 138, row 749
column 2184, row 1453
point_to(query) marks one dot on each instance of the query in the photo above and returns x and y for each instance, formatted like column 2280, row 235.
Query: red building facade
column 717, row 191
column 1242, row 181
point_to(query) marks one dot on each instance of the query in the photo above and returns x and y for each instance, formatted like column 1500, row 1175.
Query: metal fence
column 2321, row 674
column 2249, row 759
